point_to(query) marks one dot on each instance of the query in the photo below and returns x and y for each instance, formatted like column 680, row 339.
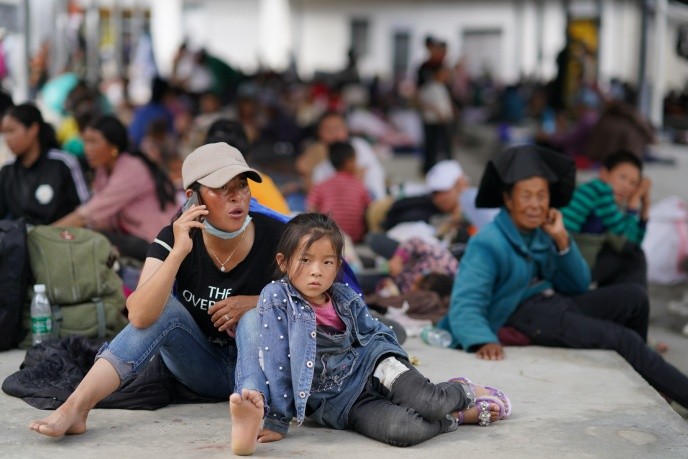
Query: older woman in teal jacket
column 499, row 270
column 524, row 271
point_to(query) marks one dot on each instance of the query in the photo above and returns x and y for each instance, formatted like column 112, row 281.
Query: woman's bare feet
column 67, row 419
column 246, row 411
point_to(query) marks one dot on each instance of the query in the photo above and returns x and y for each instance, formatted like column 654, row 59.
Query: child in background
column 427, row 299
column 416, row 257
column 607, row 217
column 324, row 357
column 343, row 196
column 410, row 260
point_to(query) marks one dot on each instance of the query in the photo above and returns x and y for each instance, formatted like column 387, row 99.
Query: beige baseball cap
column 215, row 164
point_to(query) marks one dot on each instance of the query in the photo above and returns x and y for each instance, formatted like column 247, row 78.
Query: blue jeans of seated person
column 249, row 374
column 413, row 411
column 204, row 367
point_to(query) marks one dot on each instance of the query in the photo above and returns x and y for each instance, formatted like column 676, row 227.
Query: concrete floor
column 566, row 404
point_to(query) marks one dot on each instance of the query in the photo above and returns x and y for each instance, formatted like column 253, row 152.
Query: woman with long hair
column 133, row 198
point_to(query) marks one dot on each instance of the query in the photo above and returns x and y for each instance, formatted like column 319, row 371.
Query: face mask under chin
column 226, row 234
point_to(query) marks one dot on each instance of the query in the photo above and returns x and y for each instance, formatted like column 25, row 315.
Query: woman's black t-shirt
column 46, row 191
column 200, row 284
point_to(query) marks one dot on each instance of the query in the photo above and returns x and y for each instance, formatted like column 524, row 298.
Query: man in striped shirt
column 607, row 217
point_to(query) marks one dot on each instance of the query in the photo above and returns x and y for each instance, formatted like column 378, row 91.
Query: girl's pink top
column 326, row 315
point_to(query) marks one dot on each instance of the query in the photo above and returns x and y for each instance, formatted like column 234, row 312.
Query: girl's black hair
column 28, row 114
column 314, row 225
column 116, row 134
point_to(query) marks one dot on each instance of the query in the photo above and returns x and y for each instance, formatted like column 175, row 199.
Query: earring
column 114, row 152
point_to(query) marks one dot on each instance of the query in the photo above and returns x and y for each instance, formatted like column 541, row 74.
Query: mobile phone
column 193, row 200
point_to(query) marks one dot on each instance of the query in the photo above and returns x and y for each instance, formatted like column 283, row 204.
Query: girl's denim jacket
column 288, row 347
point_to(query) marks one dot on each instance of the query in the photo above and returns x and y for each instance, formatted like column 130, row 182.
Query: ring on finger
column 227, row 318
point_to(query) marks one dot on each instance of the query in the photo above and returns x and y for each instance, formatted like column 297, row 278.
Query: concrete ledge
column 567, row 404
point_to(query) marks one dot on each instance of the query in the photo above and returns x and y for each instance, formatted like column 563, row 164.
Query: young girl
column 325, row 357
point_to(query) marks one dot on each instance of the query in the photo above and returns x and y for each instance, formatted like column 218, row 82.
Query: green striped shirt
column 593, row 210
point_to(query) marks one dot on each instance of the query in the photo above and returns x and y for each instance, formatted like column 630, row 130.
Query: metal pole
column 116, row 23
column 642, row 100
column 61, row 53
column 92, row 44
column 658, row 92
column 518, row 49
column 23, row 79
column 599, row 22
column 539, row 37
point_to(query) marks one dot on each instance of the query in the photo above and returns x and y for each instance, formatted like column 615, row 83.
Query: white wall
column 620, row 45
column 232, row 29
column 166, row 32
column 275, row 33
column 675, row 66
column 323, row 39
column 322, row 32
column 527, row 39
column 624, row 42
column 496, row 16
column 246, row 32
column 323, row 36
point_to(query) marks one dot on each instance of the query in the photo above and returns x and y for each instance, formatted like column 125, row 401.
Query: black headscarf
column 522, row 162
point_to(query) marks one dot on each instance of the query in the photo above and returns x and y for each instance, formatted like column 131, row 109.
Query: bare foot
column 661, row 347
column 246, row 411
column 65, row 420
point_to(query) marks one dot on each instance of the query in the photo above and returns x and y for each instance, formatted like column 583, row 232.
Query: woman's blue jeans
column 206, row 368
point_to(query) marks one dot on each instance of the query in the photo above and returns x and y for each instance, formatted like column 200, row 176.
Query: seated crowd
column 525, row 257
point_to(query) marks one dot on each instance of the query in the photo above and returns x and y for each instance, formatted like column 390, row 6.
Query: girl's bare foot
column 246, row 411
column 67, row 419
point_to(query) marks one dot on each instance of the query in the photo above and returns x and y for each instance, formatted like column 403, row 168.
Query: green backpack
column 76, row 266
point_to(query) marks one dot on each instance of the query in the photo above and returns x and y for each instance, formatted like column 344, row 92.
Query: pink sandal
column 496, row 396
column 483, row 404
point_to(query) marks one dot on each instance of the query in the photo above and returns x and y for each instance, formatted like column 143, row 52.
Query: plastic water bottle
column 41, row 315
column 436, row 336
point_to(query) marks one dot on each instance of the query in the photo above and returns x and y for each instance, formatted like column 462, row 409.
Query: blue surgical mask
column 225, row 234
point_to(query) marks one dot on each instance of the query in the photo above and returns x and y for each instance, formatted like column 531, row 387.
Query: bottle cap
column 39, row 288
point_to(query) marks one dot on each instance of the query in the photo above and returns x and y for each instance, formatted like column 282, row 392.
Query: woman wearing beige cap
column 216, row 257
